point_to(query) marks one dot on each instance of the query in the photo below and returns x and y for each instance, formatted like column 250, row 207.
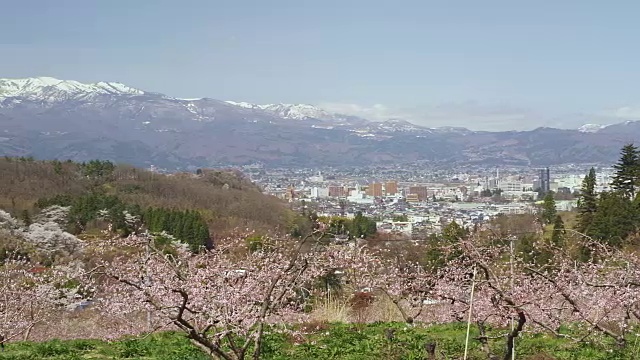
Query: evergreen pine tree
column 626, row 179
column 154, row 223
column 614, row 220
column 453, row 232
column 357, row 228
column 172, row 222
column 587, row 202
column 436, row 256
column 548, row 211
column 585, row 254
column 528, row 249
column 557, row 238
column 166, row 220
column 189, row 227
column 116, row 214
column 202, row 236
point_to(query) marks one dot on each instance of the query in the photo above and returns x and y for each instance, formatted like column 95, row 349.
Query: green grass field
column 327, row 341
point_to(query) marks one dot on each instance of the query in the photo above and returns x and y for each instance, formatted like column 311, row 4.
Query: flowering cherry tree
column 595, row 298
column 601, row 295
column 478, row 286
column 407, row 285
column 45, row 235
column 32, row 295
column 221, row 299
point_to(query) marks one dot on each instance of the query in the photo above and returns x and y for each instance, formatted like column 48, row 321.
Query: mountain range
column 49, row 118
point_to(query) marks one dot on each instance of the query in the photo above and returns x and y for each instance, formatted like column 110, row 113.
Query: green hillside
column 225, row 199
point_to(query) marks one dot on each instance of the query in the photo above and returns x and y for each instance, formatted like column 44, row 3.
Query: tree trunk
column 27, row 333
column 484, row 342
column 431, row 351
column 514, row 334
column 206, row 350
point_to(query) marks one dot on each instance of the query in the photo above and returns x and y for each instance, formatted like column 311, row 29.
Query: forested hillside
column 225, row 200
column 613, row 217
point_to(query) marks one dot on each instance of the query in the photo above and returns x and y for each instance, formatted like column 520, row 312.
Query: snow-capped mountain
column 591, row 128
column 49, row 89
column 331, row 120
column 304, row 112
column 289, row 111
column 397, row 125
column 51, row 118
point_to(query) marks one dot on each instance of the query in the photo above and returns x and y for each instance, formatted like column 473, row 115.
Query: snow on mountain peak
column 398, row 125
column 331, row 120
column 52, row 89
column 116, row 87
column 44, row 81
column 298, row 111
column 591, row 128
column 243, row 104
column 290, row 111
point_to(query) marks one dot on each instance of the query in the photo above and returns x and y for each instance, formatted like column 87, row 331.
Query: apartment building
column 390, row 188
column 374, row 190
column 337, row 191
column 420, row 191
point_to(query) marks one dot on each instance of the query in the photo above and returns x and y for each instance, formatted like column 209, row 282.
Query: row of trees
column 33, row 296
column 549, row 216
column 360, row 227
column 223, row 301
column 124, row 219
column 84, row 209
column 188, row 225
column 612, row 216
column 94, row 169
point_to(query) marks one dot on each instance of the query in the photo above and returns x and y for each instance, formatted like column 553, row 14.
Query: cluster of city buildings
column 410, row 202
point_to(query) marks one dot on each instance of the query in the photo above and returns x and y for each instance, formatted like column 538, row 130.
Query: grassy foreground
column 326, row 341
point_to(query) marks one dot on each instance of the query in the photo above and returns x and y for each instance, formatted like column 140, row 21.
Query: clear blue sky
column 483, row 64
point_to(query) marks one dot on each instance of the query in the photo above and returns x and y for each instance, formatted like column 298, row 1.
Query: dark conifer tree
column 150, row 219
column 548, row 211
column 177, row 227
column 627, row 177
column 614, row 220
column 189, row 227
column 453, row 232
column 587, row 202
column 557, row 238
column 167, row 224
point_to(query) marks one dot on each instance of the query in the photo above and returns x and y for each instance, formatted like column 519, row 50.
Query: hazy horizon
column 494, row 65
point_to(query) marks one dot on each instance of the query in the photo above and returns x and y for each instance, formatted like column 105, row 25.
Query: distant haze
column 484, row 65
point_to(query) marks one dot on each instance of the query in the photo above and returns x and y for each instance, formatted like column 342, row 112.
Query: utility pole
column 473, row 287
column 147, row 277
column 513, row 351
